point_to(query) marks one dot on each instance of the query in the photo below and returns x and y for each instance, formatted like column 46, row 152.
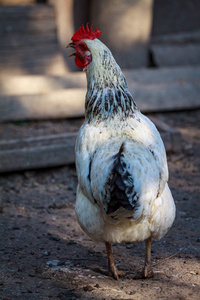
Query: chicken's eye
column 83, row 46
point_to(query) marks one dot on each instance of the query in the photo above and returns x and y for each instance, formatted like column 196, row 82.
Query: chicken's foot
column 111, row 265
column 147, row 270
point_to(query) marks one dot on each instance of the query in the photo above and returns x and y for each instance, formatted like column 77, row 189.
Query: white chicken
column 122, row 193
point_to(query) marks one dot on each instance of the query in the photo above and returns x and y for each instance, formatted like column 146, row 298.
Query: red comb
column 87, row 33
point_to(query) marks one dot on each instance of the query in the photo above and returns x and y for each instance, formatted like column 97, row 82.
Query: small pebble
column 129, row 246
column 88, row 288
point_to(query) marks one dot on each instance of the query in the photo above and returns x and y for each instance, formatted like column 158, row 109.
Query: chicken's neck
column 107, row 90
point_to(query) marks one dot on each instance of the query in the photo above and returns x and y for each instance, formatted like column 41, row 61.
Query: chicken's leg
column 111, row 265
column 147, row 271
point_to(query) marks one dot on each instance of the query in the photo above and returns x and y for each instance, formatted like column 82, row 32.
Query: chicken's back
column 98, row 152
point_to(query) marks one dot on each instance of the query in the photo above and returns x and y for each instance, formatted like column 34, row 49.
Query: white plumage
column 155, row 214
column 122, row 193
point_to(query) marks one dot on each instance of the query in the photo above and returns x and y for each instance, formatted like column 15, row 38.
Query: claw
column 112, row 270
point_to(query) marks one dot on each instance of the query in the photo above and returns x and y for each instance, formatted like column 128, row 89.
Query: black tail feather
column 120, row 185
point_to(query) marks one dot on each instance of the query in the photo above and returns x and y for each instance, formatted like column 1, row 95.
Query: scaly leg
column 111, row 265
column 147, row 271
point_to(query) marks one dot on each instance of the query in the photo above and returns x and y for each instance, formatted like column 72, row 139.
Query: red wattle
column 78, row 62
column 83, row 63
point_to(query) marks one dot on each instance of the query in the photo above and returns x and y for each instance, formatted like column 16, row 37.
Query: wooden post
column 65, row 28
column 126, row 29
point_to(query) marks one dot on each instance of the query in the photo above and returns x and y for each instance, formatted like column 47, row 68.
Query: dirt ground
column 45, row 255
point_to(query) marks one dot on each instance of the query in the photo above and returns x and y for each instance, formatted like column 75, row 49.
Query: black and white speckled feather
column 107, row 93
column 120, row 187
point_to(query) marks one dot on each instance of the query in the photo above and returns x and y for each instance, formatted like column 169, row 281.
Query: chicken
column 122, row 193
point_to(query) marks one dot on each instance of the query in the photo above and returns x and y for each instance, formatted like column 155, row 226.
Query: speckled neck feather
column 107, row 90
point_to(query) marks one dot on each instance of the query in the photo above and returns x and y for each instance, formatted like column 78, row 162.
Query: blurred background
column 140, row 33
column 155, row 42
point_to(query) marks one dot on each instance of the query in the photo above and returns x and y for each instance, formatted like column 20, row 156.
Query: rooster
column 122, row 193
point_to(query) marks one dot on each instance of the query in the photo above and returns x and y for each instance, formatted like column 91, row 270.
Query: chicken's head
column 83, row 55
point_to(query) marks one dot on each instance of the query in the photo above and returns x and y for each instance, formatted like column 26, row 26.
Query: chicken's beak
column 71, row 45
